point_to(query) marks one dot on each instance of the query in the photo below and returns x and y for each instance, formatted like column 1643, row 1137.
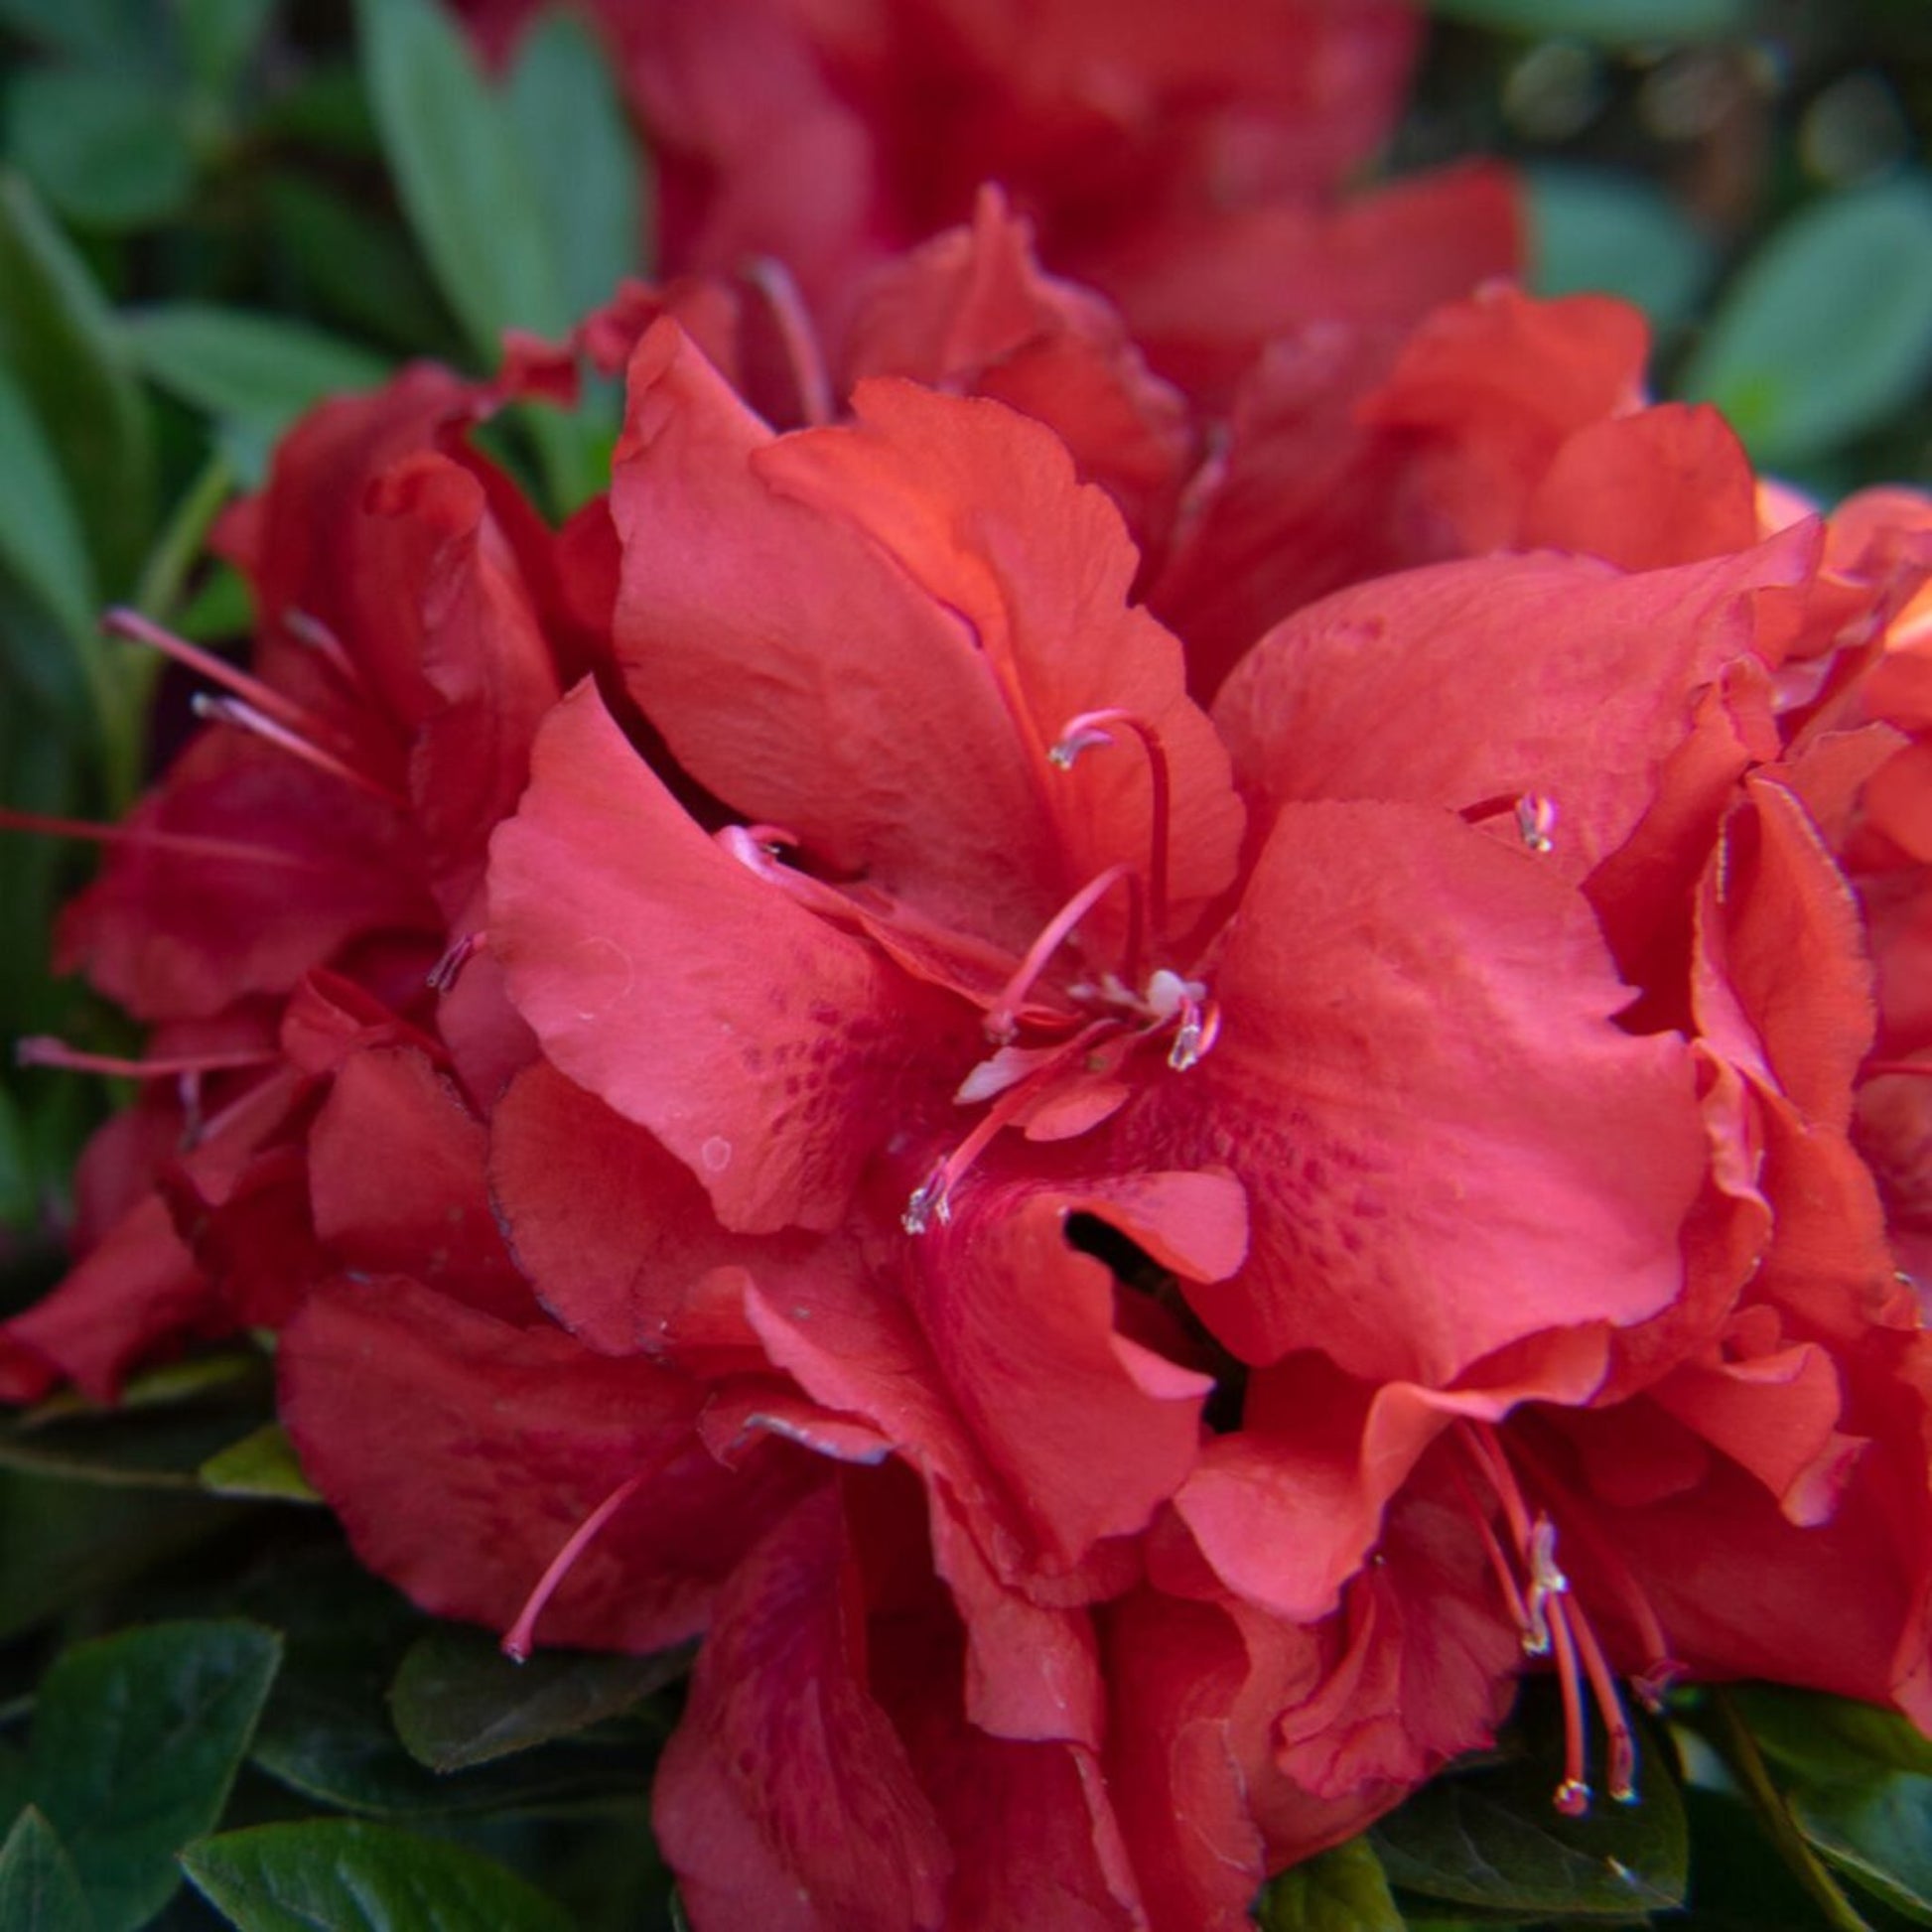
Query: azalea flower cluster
column 1166, row 1004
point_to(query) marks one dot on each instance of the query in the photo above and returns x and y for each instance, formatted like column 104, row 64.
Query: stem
column 1738, row 1749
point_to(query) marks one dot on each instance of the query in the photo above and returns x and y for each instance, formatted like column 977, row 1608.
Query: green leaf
column 1341, row 1890
column 262, row 1464
column 327, row 1732
column 1492, row 1837
column 1615, row 23
column 338, row 1875
column 258, row 371
column 465, row 179
column 1599, row 230
column 60, row 340
column 40, row 1892
column 61, row 1540
column 458, row 1701
column 98, row 30
column 1879, row 1833
column 588, row 170
column 40, row 532
column 219, row 38
column 137, row 1738
column 1824, row 1739
column 1828, row 328
column 359, row 270
column 107, row 147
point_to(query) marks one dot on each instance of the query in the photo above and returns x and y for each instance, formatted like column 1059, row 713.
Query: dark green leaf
column 1877, row 1832
column 338, row 1875
column 1597, row 231
column 40, row 532
column 1829, row 328
column 1825, row 1738
column 458, row 1701
column 327, row 1732
column 106, row 146
column 1618, row 22
column 1341, row 1890
column 99, row 30
column 464, row 178
column 260, row 370
column 62, row 1540
column 589, row 173
column 219, row 38
column 1492, row 1837
column 56, row 334
column 260, row 1464
column 360, row 271
column 40, row 1890
column 136, row 1740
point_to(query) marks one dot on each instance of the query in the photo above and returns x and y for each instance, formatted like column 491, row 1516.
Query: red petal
column 463, row 1454
column 1447, row 1144
column 785, row 1800
column 769, row 1053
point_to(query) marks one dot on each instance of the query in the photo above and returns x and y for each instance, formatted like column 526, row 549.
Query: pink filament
column 1086, row 732
column 233, row 710
column 1000, row 1018
column 518, row 1638
column 39, row 1050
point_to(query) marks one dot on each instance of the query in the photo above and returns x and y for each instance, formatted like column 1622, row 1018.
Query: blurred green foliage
column 214, row 211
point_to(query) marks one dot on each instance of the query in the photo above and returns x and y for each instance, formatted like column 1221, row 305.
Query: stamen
column 233, row 710
column 1658, row 1675
column 931, row 1201
column 1547, row 1582
column 123, row 623
column 1087, row 732
column 1622, row 1746
column 1573, row 1794
column 1201, row 1027
column 317, row 636
column 1536, row 821
column 803, row 357
column 517, row 1639
column 189, row 845
column 1002, row 1021
column 41, row 1049
column 1499, row 1558
column 443, row 975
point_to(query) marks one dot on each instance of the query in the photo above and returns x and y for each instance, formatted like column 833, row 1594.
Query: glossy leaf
column 338, row 1875
column 137, row 1738
column 40, row 1890
column 1492, row 1837
column 327, row 1732
column 1616, row 23
column 262, row 370
column 1828, row 328
column 1820, row 1738
column 61, row 1540
column 1878, row 1832
column 58, row 338
column 588, row 170
column 40, row 531
column 1596, row 231
column 101, row 29
column 1341, row 1890
column 260, row 1464
column 105, row 145
column 220, row 37
column 461, row 170
column 458, row 1701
